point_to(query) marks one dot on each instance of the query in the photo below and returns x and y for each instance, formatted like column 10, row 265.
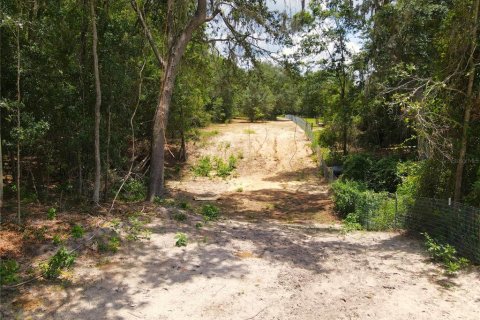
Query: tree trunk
column 98, row 103
column 176, row 50
column 468, row 106
column 19, row 99
column 1, row 153
column 107, row 161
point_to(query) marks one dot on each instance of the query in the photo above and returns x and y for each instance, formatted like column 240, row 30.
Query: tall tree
column 469, row 101
column 175, row 44
column 98, row 103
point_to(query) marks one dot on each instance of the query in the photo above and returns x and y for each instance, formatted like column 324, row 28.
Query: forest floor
column 277, row 252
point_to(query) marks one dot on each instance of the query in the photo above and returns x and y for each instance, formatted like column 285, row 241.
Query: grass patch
column 209, row 134
column 249, row 131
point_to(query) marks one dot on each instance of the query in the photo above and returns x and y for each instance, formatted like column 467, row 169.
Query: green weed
column 52, row 213
column 181, row 239
column 62, row 259
column 77, row 231
column 445, row 254
column 210, row 212
column 8, row 271
column 203, row 167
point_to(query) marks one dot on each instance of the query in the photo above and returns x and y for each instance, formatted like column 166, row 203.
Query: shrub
column 57, row 239
column 136, row 229
column 134, row 190
column 52, row 213
column 179, row 216
column 181, row 239
column 445, row 254
column 62, row 259
column 8, row 271
column 210, row 212
column 351, row 223
column 345, row 194
column 112, row 244
column 203, row 167
column 357, row 167
column 77, row 231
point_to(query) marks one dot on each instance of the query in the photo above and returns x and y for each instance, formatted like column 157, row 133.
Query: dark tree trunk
column 98, row 103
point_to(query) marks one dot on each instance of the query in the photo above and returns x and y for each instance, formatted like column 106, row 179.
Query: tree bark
column 107, row 161
column 19, row 99
column 98, row 103
column 176, row 50
column 1, row 153
column 468, row 106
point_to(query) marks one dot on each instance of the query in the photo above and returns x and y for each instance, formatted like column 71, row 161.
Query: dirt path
column 261, row 267
column 276, row 178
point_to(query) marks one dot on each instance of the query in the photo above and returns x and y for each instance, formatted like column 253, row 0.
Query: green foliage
column 57, row 240
column 203, row 167
column 110, row 244
column 134, row 190
column 210, row 212
column 8, row 271
column 179, row 216
column 181, row 239
column 62, row 259
column 345, row 195
column 372, row 210
column 198, row 225
column 77, row 231
column 445, row 254
column 136, row 229
column 249, row 131
column 351, row 223
column 52, row 213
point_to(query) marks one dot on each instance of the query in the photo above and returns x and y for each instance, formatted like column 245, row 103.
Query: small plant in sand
column 62, row 259
column 179, row 216
column 203, row 167
column 8, row 271
column 249, row 131
column 77, row 231
column 181, row 239
column 445, row 254
column 210, row 212
column 52, row 213
column 111, row 244
column 57, row 239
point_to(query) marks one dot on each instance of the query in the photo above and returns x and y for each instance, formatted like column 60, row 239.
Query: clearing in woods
column 277, row 253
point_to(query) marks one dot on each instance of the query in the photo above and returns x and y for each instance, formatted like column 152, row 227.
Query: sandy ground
column 277, row 254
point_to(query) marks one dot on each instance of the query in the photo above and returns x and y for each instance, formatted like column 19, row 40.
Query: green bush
column 351, row 223
column 134, row 190
column 203, row 167
column 445, row 254
column 8, row 271
column 181, row 239
column 179, row 216
column 77, row 231
column 62, row 259
column 357, row 167
column 345, row 194
column 210, row 212
column 52, row 213
column 111, row 244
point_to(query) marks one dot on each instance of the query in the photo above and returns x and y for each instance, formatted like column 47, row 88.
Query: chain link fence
column 308, row 129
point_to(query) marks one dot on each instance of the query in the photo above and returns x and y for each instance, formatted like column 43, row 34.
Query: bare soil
column 278, row 252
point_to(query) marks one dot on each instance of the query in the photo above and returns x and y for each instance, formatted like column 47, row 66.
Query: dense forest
column 90, row 89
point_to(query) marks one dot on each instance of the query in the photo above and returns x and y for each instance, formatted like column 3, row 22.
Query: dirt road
column 277, row 254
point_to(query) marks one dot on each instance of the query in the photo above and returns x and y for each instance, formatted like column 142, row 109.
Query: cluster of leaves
column 62, row 259
column 363, row 207
column 210, row 212
column 181, row 239
column 8, row 271
column 222, row 168
column 445, row 254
